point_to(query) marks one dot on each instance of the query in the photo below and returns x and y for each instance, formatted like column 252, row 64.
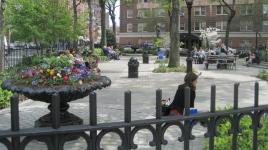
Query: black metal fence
column 56, row 136
column 15, row 56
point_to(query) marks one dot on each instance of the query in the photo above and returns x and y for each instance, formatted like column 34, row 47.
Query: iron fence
column 13, row 57
column 55, row 137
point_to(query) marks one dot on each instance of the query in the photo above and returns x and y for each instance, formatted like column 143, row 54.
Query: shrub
column 99, row 52
column 224, row 140
column 4, row 98
column 162, row 68
column 263, row 75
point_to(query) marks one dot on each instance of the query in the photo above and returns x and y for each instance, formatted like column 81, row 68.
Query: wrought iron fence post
column 15, row 123
column 128, row 118
column 255, row 121
column 56, row 119
column 187, row 122
column 93, row 119
column 212, row 131
column 235, row 122
column 158, row 116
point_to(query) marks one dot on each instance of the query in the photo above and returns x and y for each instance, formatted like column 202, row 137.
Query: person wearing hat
column 177, row 106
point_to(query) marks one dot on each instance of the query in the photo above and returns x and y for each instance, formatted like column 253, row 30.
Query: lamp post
column 189, row 56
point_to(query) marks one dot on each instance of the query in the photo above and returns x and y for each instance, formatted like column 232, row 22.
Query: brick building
column 139, row 18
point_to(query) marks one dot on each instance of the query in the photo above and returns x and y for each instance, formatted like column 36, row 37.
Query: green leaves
column 40, row 20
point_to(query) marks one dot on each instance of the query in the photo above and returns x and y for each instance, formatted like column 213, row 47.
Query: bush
column 162, row 68
column 224, row 140
column 263, row 75
column 99, row 52
column 5, row 96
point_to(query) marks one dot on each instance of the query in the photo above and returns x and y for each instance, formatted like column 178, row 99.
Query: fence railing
column 57, row 135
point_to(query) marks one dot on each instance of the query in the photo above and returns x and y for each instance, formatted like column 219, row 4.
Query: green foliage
column 111, row 41
column 158, row 42
column 158, row 61
column 42, row 21
column 5, row 96
column 99, row 52
column 224, row 140
column 162, row 68
column 263, row 75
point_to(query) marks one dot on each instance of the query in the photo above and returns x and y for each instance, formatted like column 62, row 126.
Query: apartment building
column 139, row 18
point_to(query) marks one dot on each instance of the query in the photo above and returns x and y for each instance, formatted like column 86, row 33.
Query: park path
column 110, row 100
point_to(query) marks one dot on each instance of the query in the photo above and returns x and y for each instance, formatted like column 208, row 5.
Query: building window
column 129, row 27
column 265, row 9
column 182, row 26
column 129, row 13
column 246, row 10
column 200, row 11
column 199, row 26
column 221, row 25
column 182, row 11
column 246, row 26
column 141, row 27
column 143, row 13
column 161, row 13
column 245, row 44
column 162, row 27
column 265, row 25
column 221, row 10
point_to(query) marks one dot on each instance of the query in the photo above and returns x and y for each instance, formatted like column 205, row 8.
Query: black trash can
column 145, row 57
column 133, row 68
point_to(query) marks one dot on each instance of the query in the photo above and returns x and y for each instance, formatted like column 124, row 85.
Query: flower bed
column 60, row 69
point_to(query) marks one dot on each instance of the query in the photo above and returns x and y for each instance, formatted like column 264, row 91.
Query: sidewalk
column 110, row 101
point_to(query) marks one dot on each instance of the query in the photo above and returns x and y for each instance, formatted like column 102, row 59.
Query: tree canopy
column 42, row 21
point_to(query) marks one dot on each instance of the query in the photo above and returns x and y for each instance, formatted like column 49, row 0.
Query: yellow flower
column 48, row 70
column 52, row 72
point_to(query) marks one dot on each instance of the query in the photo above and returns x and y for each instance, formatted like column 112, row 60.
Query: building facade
column 139, row 19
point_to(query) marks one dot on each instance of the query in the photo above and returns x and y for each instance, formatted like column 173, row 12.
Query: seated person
column 177, row 106
column 110, row 53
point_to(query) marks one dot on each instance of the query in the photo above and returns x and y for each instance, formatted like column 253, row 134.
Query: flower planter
column 67, row 94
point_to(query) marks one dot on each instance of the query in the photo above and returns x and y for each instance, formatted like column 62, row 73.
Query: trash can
column 145, row 57
column 133, row 68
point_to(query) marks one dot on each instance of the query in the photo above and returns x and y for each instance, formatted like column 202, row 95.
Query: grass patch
column 263, row 75
column 158, row 61
column 162, row 68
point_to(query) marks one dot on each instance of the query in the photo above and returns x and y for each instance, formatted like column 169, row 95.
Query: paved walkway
column 110, row 100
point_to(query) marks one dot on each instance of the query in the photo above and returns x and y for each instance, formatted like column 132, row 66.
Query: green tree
column 111, row 6
column 231, row 11
column 2, row 48
column 173, row 7
column 90, row 28
column 110, row 38
column 42, row 21
column 103, row 23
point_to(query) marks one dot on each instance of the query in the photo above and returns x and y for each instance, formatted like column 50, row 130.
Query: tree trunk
column 2, row 46
column 114, row 26
column 103, row 23
column 75, row 22
column 229, row 21
column 174, row 39
column 90, row 28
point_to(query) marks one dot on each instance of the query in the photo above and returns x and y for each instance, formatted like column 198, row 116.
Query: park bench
column 222, row 62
